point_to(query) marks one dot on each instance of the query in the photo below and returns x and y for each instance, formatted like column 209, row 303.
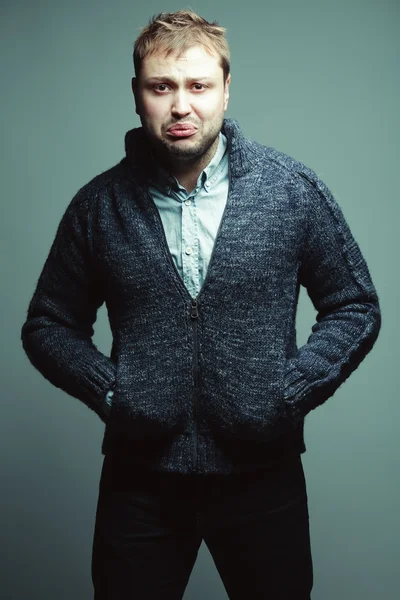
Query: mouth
column 181, row 130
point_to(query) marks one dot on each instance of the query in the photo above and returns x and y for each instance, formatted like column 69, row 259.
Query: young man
column 198, row 242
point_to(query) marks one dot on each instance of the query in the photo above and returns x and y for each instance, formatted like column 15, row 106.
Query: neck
column 188, row 172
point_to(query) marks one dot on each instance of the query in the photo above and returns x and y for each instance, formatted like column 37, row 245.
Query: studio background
column 319, row 81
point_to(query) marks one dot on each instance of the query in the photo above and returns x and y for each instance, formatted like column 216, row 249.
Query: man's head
column 181, row 87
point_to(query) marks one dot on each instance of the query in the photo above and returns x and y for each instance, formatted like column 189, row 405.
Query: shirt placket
column 190, row 242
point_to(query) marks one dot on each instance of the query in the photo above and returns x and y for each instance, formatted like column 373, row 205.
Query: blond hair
column 177, row 32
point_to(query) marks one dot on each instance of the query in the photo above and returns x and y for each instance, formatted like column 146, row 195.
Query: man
column 198, row 241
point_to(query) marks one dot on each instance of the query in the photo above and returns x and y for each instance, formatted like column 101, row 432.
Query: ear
column 226, row 91
column 134, row 84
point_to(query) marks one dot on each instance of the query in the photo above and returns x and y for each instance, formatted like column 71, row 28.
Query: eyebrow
column 162, row 78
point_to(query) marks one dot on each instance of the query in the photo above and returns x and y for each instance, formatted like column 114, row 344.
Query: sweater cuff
column 296, row 387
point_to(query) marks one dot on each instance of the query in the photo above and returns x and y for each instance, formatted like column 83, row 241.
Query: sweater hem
column 175, row 455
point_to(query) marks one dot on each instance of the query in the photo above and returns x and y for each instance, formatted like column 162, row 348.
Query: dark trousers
column 149, row 527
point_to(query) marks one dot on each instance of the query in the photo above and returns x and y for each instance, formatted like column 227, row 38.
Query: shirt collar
column 212, row 169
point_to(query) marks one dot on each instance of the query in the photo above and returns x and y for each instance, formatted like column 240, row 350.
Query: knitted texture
column 219, row 386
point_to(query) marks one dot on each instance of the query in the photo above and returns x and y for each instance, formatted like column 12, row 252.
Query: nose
column 181, row 105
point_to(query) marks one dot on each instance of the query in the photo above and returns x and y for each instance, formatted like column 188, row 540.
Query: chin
column 190, row 149
column 186, row 150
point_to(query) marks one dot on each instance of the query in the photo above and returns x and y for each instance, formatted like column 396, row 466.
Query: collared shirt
column 191, row 221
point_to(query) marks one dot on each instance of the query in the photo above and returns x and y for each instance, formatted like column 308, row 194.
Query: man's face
column 181, row 102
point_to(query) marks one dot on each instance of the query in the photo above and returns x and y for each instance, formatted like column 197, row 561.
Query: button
column 207, row 185
column 188, row 202
column 197, row 189
column 188, row 250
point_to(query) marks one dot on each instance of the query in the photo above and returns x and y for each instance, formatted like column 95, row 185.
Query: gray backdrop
column 318, row 80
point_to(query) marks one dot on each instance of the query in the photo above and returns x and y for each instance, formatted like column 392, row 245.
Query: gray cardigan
column 216, row 383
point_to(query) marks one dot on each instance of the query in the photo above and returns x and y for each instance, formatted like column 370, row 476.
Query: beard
column 185, row 149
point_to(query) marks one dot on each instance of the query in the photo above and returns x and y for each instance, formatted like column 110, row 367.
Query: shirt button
column 188, row 202
column 196, row 190
column 188, row 250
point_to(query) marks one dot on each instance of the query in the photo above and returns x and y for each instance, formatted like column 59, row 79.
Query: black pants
column 149, row 527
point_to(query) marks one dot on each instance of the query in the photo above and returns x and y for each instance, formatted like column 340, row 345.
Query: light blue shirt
column 191, row 221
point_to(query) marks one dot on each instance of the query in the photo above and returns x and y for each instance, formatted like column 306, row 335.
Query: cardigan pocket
column 293, row 384
column 141, row 407
column 246, row 404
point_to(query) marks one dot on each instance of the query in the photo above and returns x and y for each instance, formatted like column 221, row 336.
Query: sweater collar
column 140, row 161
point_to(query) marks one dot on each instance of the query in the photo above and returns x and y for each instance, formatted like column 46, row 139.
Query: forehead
column 194, row 62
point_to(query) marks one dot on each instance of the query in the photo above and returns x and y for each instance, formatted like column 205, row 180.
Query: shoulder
column 273, row 167
column 89, row 199
column 99, row 184
column 318, row 201
column 268, row 163
column 285, row 166
column 305, row 182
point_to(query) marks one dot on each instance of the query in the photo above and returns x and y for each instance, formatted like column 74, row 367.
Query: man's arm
column 57, row 334
column 338, row 282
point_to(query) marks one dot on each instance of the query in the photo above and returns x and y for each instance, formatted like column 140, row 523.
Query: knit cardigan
column 216, row 383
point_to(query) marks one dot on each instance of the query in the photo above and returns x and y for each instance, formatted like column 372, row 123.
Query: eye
column 199, row 87
column 161, row 87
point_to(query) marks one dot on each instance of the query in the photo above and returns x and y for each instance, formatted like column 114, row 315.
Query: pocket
column 246, row 404
column 293, row 386
column 140, row 407
column 109, row 396
column 288, row 417
column 108, row 402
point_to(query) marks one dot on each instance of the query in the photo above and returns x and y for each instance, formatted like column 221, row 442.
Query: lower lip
column 181, row 133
